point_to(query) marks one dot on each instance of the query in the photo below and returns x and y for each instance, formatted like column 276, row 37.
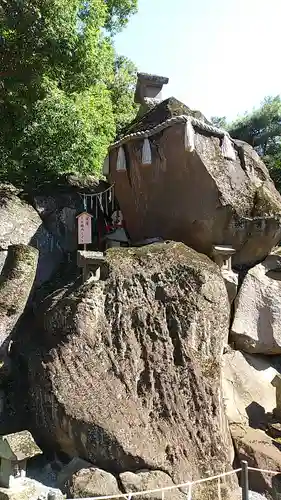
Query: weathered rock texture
column 21, row 224
column 257, row 321
column 16, row 281
column 127, row 371
column 93, row 482
column 150, row 480
column 247, row 388
column 231, row 283
column 260, row 452
column 199, row 198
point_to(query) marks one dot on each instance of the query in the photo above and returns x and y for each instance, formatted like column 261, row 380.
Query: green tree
column 122, row 92
column 59, row 92
column 118, row 12
column 219, row 121
column 262, row 127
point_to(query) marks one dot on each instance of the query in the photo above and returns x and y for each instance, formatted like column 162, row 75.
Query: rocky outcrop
column 93, row 482
column 240, row 206
column 248, row 391
column 16, row 281
column 150, row 480
column 126, row 372
column 256, row 326
column 21, row 224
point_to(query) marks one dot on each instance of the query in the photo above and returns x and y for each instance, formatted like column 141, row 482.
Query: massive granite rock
column 197, row 197
column 126, row 372
column 256, row 326
column 21, row 224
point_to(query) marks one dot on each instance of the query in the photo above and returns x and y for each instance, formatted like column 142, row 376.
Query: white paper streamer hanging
column 106, row 203
column 121, row 159
column 227, row 148
column 146, row 152
column 189, row 137
column 105, row 169
column 112, row 198
column 85, row 202
column 99, row 198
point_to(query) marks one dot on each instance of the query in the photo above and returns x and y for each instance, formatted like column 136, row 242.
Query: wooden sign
column 84, row 228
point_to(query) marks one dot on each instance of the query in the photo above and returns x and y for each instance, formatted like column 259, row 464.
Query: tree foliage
column 122, row 91
column 262, row 129
column 63, row 90
column 118, row 12
column 219, row 121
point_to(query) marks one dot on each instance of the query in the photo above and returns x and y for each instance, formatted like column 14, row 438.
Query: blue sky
column 222, row 56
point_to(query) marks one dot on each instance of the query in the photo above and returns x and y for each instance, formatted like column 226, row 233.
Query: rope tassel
column 189, row 138
column 121, row 159
column 227, row 148
column 146, row 152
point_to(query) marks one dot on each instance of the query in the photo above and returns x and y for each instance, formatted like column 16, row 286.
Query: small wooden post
column 245, row 480
column 84, row 271
column 84, row 235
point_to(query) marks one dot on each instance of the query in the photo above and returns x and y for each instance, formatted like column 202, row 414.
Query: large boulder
column 256, row 326
column 91, row 483
column 150, row 480
column 198, row 197
column 126, row 371
column 248, row 392
column 21, row 224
